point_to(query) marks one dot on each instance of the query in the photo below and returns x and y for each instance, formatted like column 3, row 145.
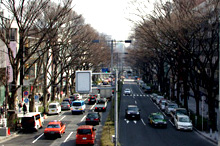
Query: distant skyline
column 107, row 16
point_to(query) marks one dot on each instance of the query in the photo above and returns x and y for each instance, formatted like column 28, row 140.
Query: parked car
column 153, row 96
column 54, row 108
column 132, row 112
column 162, row 104
column 157, row 119
column 147, row 89
column 73, row 98
column 183, row 122
column 127, row 91
column 55, row 128
column 32, row 121
column 170, row 107
column 65, row 105
column 93, row 118
column 85, row 135
column 158, row 98
column 101, row 105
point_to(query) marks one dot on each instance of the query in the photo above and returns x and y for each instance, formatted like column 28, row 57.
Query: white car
column 54, row 108
column 170, row 108
column 127, row 91
column 183, row 122
column 162, row 104
column 158, row 98
column 79, row 96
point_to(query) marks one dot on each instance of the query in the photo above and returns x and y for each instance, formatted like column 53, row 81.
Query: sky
column 107, row 16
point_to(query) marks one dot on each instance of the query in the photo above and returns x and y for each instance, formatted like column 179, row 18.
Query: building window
column 13, row 34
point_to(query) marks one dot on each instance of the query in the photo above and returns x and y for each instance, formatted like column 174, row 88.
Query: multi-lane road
column 67, row 139
column 140, row 133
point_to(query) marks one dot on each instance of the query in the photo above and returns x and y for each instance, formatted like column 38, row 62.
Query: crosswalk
column 141, row 95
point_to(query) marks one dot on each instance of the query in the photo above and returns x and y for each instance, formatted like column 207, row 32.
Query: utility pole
column 116, row 107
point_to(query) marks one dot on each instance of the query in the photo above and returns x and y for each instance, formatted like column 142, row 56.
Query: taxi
column 85, row 135
column 55, row 128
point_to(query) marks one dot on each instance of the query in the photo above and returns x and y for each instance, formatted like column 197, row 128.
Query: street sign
column 25, row 93
column 84, row 81
column 26, row 100
column 105, row 70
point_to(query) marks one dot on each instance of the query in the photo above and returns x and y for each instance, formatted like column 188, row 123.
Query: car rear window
column 76, row 104
column 92, row 116
column 53, row 126
column 27, row 120
column 133, row 108
column 52, row 106
column 84, row 131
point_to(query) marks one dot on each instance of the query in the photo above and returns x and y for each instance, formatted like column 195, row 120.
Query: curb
column 8, row 137
column 207, row 137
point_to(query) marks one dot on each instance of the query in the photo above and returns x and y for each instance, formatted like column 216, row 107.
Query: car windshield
column 158, row 117
column 127, row 89
column 84, row 131
column 133, row 108
column 184, row 119
column 53, row 126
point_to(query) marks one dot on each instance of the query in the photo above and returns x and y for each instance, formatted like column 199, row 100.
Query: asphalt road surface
column 68, row 138
column 141, row 133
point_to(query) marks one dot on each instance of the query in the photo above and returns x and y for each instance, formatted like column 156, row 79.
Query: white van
column 78, row 106
column 54, row 108
column 32, row 120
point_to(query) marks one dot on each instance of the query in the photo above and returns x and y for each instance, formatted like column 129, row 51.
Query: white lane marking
column 38, row 138
column 143, row 122
column 92, row 106
column 135, row 102
column 164, row 114
column 62, row 118
column 127, row 121
column 83, row 118
column 68, row 136
column 135, row 122
column 171, row 122
column 86, row 98
column 141, row 95
column 60, row 114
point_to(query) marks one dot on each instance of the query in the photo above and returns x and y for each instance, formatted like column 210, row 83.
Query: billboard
column 83, row 81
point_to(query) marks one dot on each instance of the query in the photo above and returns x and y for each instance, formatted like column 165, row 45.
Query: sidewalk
column 212, row 136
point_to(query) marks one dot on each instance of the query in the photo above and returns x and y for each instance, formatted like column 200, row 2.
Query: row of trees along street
column 53, row 37
column 179, row 42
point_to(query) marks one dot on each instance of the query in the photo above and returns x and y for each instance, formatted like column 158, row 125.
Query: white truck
column 106, row 93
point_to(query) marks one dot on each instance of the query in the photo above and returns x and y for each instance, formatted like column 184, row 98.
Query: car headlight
column 128, row 113
column 155, row 122
column 165, row 122
column 138, row 113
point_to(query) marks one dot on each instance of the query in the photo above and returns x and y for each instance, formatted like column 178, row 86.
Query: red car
column 55, row 128
column 85, row 135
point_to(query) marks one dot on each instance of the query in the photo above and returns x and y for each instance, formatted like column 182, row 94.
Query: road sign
column 26, row 100
column 25, row 93
column 36, row 97
column 84, row 81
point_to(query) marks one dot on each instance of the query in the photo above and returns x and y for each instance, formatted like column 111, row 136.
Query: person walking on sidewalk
column 20, row 106
column 24, row 108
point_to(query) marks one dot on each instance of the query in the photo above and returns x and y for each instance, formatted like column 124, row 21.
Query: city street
column 72, row 122
column 140, row 132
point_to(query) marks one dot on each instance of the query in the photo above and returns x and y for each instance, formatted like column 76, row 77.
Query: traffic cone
column 9, row 131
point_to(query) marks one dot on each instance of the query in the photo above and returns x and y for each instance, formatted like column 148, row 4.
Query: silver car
column 170, row 107
column 158, row 98
column 127, row 91
column 65, row 105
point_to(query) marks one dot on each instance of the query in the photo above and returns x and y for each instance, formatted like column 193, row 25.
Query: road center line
column 68, row 136
column 38, row 138
column 83, row 118
column 143, row 122
column 62, row 118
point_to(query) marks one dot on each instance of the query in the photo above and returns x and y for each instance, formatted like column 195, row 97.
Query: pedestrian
column 19, row 106
column 24, row 108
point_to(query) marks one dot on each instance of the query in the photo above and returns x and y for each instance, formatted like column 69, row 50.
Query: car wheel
column 60, row 135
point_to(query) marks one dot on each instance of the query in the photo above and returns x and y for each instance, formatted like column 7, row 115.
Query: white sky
column 107, row 16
